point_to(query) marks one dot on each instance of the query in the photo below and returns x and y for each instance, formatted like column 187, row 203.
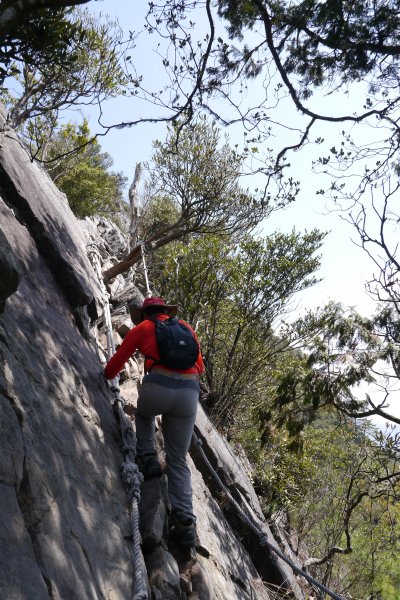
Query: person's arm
column 199, row 361
column 123, row 354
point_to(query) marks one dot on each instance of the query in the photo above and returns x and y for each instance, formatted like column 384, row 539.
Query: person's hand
column 104, row 378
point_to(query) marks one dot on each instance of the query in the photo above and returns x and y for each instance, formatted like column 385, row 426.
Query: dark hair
column 154, row 310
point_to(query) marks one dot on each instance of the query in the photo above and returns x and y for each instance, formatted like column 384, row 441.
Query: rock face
column 65, row 526
column 9, row 274
column 63, row 509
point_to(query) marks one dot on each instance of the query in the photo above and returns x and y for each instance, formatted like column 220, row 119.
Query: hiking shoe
column 184, row 532
column 149, row 466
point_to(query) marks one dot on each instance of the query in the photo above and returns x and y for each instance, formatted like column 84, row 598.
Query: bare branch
column 374, row 411
column 135, row 254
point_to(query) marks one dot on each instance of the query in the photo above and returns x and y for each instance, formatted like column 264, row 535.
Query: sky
column 345, row 267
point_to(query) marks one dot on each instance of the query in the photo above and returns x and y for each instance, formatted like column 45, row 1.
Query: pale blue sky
column 344, row 266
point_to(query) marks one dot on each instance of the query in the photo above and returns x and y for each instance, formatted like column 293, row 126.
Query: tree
column 347, row 362
column 235, row 293
column 202, row 178
column 91, row 189
column 133, row 201
column 89, row 74
column 314, row 49
column 337, row 498
column 83, row 174
column 310, row 44
column 281, row 54
column 13, row 14
column 35, row 35
column 199, row 178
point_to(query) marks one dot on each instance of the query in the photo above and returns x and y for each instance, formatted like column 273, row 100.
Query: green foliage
column 157, row 213
column 323, row 41
column 200, row 176
column 67, row 58
column 83, row 69
column 91, row 190
column 348, row 40
column 60, row 147
column 338, row 492
column 294, row 49
column 343, row 353
column 234, row 293
column 49, row 36
column 81, row 170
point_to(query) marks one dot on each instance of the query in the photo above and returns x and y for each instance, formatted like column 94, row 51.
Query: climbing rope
column 132, row 479
column 262, row 537
column 130, row 474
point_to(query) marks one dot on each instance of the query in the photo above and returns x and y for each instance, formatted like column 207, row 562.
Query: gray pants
column 176, row 400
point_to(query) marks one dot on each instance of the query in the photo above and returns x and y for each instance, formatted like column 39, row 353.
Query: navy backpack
column 176, row 344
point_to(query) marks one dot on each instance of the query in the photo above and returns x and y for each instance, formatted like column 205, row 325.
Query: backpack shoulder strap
column 147, row 357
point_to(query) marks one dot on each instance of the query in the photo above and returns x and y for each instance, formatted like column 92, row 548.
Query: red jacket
column 143, row 338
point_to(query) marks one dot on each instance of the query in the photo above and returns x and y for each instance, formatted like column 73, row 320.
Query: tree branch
column 367, row 413
column 292, row 92
column 135, row 254
column 13, row 12
column 340, row 44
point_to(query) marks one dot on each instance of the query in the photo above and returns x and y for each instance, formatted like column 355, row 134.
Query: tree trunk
column 133, row 192
column 155, row 242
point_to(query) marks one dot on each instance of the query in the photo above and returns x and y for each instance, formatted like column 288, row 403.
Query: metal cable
column 140, row 580
column 262, row 537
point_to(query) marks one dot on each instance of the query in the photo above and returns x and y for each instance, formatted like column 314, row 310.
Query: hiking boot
column 184, row 532
column 149, row 466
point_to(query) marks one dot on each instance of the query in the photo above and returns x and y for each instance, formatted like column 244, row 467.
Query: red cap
column 136, row 312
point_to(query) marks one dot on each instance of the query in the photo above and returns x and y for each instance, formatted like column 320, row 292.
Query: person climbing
column 170, row 391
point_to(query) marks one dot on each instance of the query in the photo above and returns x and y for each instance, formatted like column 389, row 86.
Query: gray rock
column 123, row 326
column 221, row 553
column 20, row 575
column 163, row 575
column 63, row 508
column 43, row 210
column 9, row 273
column 153, row 511
column 201, row 581
column 106, row 236
column 234, row 474
column 116, row 286
column 3, row 115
